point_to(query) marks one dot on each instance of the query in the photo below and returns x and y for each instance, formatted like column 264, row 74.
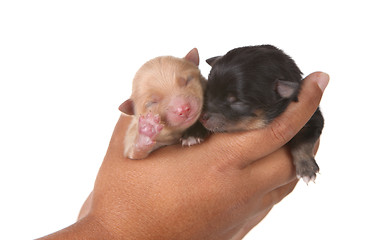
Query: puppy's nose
column 183, row 110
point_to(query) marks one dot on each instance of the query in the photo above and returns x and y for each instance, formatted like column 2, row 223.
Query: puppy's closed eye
column 150, row 104
column 242, row 108
column 184, row 81
column 238, row 106
column 153, row 100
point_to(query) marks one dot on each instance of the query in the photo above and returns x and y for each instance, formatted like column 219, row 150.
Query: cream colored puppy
column 167, row 99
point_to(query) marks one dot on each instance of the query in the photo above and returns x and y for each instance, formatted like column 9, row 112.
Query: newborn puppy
column 167, row 99
column 249, row 87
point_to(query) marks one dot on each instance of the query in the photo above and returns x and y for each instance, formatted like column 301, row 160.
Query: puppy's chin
column 215, row 122
column 215, row 127
column 219, row 123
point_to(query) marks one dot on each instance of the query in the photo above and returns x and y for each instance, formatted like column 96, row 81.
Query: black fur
column 249, row 87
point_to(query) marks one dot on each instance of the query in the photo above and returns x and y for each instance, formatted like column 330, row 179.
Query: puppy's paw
column 194, row 135
column 307, row 169
column 149, row 126
column 191, row 140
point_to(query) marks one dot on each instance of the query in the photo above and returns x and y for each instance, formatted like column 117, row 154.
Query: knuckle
column 281, row 131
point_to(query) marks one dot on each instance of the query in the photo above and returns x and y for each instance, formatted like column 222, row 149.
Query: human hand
column 219, row 189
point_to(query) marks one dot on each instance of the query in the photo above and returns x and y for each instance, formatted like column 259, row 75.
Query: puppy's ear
column 212, row 60
column 127, row 107
column 286, row 89
column 193, row 56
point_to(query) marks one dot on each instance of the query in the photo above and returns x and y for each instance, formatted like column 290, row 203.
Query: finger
column 286, row 126
column 265, row 141
column 263, row 208
column 276, row 195
column 250, row 224
column 270, row 172
column 86, row 207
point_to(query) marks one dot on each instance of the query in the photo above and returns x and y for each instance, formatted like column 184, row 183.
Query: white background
column 65, row 66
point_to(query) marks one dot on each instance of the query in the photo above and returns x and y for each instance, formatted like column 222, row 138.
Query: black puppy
column 249, row 87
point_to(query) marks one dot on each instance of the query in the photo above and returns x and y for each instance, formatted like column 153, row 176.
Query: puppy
column 250, row 86
column 167, row 99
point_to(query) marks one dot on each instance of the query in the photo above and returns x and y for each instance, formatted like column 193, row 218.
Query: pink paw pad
column 150, row 125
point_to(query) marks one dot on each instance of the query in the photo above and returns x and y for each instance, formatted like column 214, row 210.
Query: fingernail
column 322, row 80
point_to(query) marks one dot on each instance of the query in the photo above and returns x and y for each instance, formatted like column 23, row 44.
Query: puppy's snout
column 183, row 110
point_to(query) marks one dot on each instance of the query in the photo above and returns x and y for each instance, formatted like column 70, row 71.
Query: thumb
column 289, row 123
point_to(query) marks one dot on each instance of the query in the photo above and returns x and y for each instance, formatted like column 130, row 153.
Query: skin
column 219, row 189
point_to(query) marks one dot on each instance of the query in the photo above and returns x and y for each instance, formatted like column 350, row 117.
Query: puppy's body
column 167, row 98
column 249, row 87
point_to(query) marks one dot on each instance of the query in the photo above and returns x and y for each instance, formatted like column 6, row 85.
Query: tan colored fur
column 249, row 123
column 154, row 85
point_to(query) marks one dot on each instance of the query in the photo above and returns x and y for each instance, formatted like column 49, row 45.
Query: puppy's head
column 171, row 87
column 248, row 87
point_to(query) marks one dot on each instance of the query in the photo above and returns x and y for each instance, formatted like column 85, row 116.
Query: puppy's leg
column 302, row 146
column 141, row 136
column 194, row 135
column 306, row 166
